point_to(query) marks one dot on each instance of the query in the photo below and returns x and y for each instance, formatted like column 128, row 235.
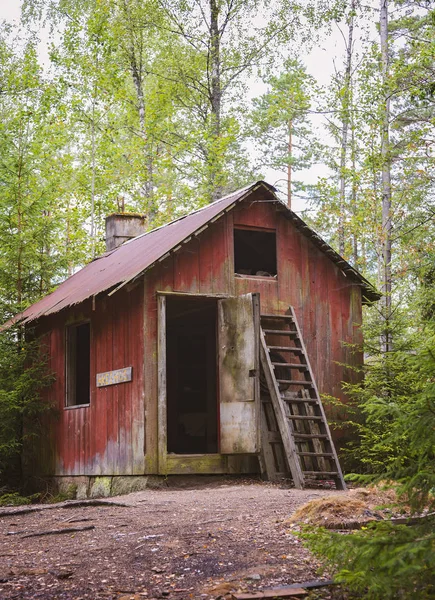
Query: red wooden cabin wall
column 106, row 437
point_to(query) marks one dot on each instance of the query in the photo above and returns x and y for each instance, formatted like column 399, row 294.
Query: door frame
column 214, row 462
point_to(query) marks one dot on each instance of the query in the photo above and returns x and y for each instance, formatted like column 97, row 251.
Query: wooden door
column 238, row 350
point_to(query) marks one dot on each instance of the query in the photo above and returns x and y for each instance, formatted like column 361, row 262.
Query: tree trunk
column 289, row 165
column 136, row 73
column 386, row 341
column 19, row 280
column 346, row 100
column 354, row 194
column 68, row 238
column 93, row 178
column 215, row 99
column 147, row 186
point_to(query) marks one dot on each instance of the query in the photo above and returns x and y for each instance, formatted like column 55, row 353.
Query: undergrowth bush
column 23, row 374
column 13, row 499
column 397, row 444
column 16, row 499
column 382, row 561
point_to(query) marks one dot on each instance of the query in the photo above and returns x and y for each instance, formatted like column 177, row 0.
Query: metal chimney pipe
column 121, row 227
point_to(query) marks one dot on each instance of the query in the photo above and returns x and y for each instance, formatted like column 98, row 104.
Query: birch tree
column 225, row 43
column 346, row 96
column 386, row 177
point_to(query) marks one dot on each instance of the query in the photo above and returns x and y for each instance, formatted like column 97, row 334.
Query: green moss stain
column 101, row 487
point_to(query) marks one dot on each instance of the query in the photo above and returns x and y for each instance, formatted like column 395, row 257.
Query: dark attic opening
column 78, row 364
column 255, row 252
column 192, row 415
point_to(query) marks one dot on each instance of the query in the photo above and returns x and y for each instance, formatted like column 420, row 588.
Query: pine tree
column 280, row 127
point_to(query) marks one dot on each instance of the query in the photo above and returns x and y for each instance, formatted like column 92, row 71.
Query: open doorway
column 191, row 371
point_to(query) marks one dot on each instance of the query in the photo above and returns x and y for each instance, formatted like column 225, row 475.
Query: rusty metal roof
column 115, row 269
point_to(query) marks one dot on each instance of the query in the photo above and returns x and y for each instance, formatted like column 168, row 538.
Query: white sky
column 10, row 10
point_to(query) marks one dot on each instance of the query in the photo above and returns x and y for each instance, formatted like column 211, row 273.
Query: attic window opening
column 78, row 364
column 255, row 252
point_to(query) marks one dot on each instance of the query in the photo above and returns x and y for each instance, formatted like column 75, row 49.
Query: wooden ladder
column 295, row 435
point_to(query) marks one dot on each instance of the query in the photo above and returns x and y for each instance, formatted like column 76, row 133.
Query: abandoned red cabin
column 153, row 374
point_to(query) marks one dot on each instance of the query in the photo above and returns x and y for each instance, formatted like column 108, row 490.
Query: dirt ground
column 169, row 543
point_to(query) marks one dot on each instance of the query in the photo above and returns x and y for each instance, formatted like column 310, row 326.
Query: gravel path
column 169, row 543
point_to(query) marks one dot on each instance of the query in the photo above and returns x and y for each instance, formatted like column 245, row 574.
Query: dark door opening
column 192, row 415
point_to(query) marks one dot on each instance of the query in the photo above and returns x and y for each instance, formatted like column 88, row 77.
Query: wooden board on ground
column 275, row 593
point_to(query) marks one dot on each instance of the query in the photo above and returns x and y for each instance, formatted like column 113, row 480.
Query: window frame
column 68, row 328
column 259, row 230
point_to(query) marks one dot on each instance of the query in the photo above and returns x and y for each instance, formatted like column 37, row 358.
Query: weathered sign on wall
column 113, row 377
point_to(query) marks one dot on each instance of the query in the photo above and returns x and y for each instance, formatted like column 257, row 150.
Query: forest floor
column 196, row 542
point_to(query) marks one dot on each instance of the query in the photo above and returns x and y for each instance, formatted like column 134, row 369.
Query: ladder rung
column 281, row 332
column 305, row 417
column 328, row 473
column 310, row 436
column 291, row 366
column 296, row 382
column 300, row 400
column 328, row 454
column 289, row 317
column 286, row 348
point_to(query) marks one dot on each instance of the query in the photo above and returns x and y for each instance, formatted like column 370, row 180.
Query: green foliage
column 396, row 444
column 13, row 499
column 279, row 121
column 382, row 561
column 23, row 374
column 388, row 390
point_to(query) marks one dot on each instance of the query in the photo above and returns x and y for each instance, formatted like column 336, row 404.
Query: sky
column 10, row 9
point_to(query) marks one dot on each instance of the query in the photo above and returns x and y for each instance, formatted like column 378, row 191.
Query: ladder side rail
column 281, row 417
column 320, row 405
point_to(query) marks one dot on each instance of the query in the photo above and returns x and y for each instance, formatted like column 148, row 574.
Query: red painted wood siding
column 106, row 437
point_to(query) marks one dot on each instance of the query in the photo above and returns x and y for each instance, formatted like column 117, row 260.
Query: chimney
column 121, row 227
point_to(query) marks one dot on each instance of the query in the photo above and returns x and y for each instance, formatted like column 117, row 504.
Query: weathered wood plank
column 206, row 252
column 186, row 268
column 339, row 480
column 237, row 376
column 162, row 395
column 275, row 593
column 134, row 392
column 196, row 464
